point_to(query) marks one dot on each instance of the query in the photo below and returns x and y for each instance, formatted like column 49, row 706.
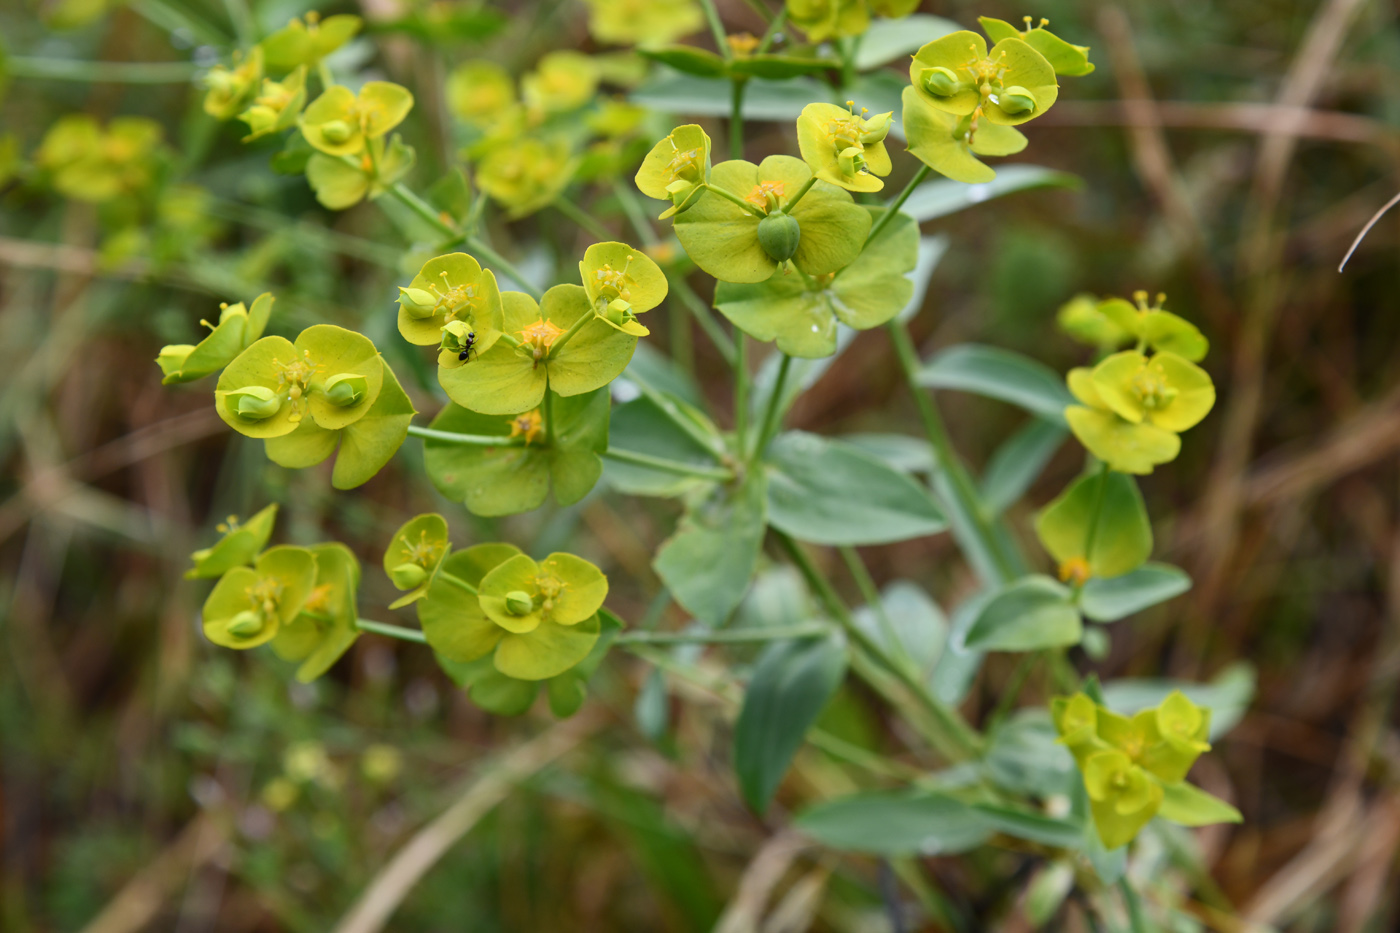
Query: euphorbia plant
column 549, row 391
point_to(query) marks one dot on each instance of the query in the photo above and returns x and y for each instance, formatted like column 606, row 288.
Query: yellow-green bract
column 677, row 169
column 414, row 555
column 249, row 604
column 324, row 629
column 1010, row 84
column 237, row 548
column 341, row 122
column 237, row 329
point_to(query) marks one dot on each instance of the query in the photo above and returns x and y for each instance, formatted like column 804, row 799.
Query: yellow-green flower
column 1066, row 59
column 1162, row 390
column 1083, row 319
column 340, row 122
column 249, row 604
column 829, row 19
column 231, row 89
column 237, row 548
column 1124, row 445
column 642, row 22
column 324, row 629
column 451, row 288
column 237, row 329
column 480, row 92
column 844, row 147
column 562, row 81
column 1010, row 84
column 677, row 169
column 414, row 555
column 950, row 145
column 1153, row 327
column 307, row 42
column 87, row 163
column 527, row 174
column 621, row 283
column 1122, row 798
column 277, row 106
column 340, row 184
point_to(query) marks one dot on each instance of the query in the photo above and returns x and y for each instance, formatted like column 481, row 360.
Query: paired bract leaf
column 325, row 628
column 1009, row 85
column 677, row 169
column 414, row 555
column 709, row 561
column 237, row 329
column 249, row 604
column 339, row 184
column 1066, row 59
column 516, row 477
column 1098, row 527
column 341, row 122
column 843, row 147
column 1123, row 445
column 947, row 143
column 304, row 43
column 237, row 548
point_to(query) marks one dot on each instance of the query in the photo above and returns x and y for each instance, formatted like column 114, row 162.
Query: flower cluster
column 1135, row 768
column 836, row 19
column 89, row 163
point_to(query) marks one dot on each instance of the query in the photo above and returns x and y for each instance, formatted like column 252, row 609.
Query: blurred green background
column 1229, row 153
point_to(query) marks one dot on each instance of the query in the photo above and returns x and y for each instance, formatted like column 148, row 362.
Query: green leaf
column 1187, row 805
column 999, row 374
column 708, row 563
column 1227, row 696
column 512, row 478
column 1024, row 756
column 791, row 684
column 1018, row 462
column 903, row 452
column 828, row 492
column 640, row 426
column 889, row 39
column 368, row 444
column 896, row 824
column 917, row 632
column 1123, row 539
column 1034, row 827
column 1119, row 597
column 451, row 617
column 669, row 92
column 940, row 198
column 781, row 67
column 1026, row 615
column 687, row 59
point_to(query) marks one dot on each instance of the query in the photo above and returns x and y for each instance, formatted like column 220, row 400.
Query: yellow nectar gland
column 1152, row 390
column 421, row 552
column 294, row 379
column 264, row 595
column 743, row 43
column 530, row 426
column 843, row 132
column 684, row 165
column 460, row 302
column 767, row 195
column 614, row 283
column 549, row 587
column 539, row 337
column 1075, row 571
column 319, row 599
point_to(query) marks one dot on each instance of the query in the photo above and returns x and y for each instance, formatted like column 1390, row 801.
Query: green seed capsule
column 337, row 131
column 419, row 304
column 172, row 358
column 246, row 624
column 851, row 161
column 1016, row 100
column 876, row 129
column 940, row 81
column 519, row 603
column 255, row 403
column 346, row 389
column 407, row 576
column 779, row 234
column 620, row 312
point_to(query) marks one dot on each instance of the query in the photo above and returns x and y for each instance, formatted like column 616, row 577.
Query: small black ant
column 468, row 345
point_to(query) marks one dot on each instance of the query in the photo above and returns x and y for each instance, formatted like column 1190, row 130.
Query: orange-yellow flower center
column 530, row 426
column 1075, row 571
column 767, row 194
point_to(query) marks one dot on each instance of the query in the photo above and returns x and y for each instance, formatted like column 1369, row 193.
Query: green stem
column 770, row 412
column 564, row 338
column 581, row 217
column 767, row 14
column 787, row 208
column 635, row 215
column 736, row 119
column 741, row 391
column 549, row 409
column 946, row 458
column 964, row 741
column 705, row 318
column 63, row 69
column 866, row 584
column 422, row 208
column 731, row 196
column 893, row 208
column 716, row 28
column 700, row 471
column 457, row 582
column 669, row 408
column 1012, row 690
column 241, row 20
column 1130, row 898
column 479, row 440
column 725, row 636
column 775, row 23
column 393, row 631
column 493, row 258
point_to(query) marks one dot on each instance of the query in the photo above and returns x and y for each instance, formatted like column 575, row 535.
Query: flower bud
column 779, row 235
column 419, row 304
column 620, row 312
column 172, row 358
column 851, row 161
column 246, row 624
column 254, row 403
column 407, row 576
column 940, row 81
column 876, row 129
column 346, row 389
column 519, row 603
column 260, row 118
column 1016, row 100
column 337, row 131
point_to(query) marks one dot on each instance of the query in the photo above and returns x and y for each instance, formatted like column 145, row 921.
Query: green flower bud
column 255, row 403
column 779, row 234
column 1016, row 100
column 876, row 129
column 407, row 576
column 940, row 81
column 337, row 131
column 346, row 389
column 172, row 358
column 851, row 161
column 246, row 624
column 419, row 304
column 260, row 119
column 519, row 603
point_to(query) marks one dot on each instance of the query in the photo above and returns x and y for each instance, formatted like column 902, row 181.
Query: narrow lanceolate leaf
column 999, row 374
column 1119, row 597
column 1029, row 614
column 1017, row 463
column 1033, row 827
column 829, row 492
column 791, row 684
column 1190, row 806
column 896, row 824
